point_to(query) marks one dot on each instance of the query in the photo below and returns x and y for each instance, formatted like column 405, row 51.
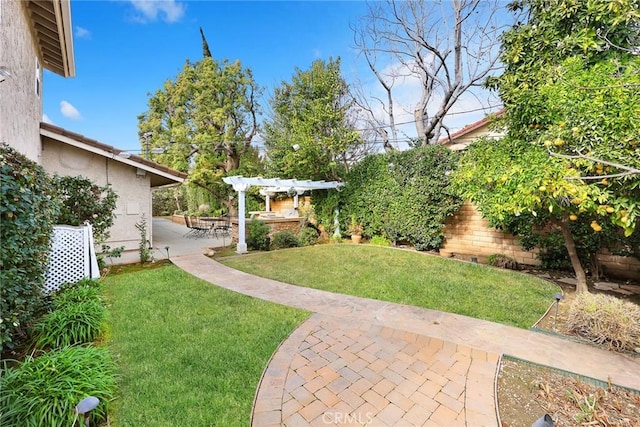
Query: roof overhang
column 51, row 27
column 160, row 175
column 471, row 127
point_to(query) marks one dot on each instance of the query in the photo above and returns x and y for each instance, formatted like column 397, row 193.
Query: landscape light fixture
column 558, row 297
column 4, row 73
column 166, row 248
column 85, row 406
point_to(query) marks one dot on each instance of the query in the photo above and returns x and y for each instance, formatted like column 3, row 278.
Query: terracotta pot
column 356, row 238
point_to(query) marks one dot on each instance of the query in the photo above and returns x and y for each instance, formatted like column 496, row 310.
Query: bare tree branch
column 448, row 46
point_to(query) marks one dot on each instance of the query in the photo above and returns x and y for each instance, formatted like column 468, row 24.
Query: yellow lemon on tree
column 573, row 217
column 596, row 227
column 610, row 209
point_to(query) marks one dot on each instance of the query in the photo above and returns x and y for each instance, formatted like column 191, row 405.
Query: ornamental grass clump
column 43, row 391
column 606, row 320
column 70, row 324
column 81, row 291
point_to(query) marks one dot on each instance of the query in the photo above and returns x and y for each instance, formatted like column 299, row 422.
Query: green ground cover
column 188, row 353
column 407, row 277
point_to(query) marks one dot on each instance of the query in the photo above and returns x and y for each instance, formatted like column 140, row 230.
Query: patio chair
column 200, row 228
column 191, row 231
column 223, row 227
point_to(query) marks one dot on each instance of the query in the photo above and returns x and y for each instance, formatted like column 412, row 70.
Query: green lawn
column 188, row 353
column 408, row 277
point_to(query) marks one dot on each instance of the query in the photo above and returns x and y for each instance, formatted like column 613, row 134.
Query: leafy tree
column 204, row 120
column 309, row 134
column 571, row 90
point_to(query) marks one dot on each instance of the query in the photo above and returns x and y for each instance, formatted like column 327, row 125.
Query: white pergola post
column 267, row 203
column 242, row 243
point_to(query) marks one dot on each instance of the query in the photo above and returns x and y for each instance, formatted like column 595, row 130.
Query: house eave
column 51, row 27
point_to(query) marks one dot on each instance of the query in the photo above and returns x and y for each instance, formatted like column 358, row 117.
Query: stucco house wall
column 21, row 106
column 133, row 189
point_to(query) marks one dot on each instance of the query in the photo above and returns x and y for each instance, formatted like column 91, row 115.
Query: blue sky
column 125, row 50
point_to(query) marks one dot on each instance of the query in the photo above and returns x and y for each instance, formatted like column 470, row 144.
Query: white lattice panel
column 69, row 259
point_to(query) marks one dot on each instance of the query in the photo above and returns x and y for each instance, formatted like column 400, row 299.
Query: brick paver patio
column 358, row 361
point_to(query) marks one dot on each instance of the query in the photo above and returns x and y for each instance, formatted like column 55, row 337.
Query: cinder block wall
column 468, row 235
column 275, row 226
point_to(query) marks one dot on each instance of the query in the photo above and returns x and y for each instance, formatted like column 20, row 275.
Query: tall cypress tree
column 205, row 46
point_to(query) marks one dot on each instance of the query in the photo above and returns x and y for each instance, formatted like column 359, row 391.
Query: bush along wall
column 27, row 211
column 403, row 196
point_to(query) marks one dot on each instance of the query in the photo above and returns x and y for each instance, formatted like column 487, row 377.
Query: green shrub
column 403, row 195
column 70, row 324
column 44, row 391
column 284, row 239
column 81, row 291
column 502, row 261
column 27, row 212
column 258, row 236
column 606, row 320
column 380, row 241
column 308, row 236
column 83, row 200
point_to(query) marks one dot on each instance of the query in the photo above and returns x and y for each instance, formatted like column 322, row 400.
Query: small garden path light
column 558, row 297
column 85, row 406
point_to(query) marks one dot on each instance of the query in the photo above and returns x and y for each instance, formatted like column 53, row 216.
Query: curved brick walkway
column 358, row 361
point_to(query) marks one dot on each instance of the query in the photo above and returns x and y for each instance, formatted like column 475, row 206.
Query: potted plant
column 355, row 229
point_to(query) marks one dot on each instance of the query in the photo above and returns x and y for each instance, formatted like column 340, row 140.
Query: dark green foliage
column 308, row 236
column 205, row 46
column 310, row 134
column 403, row 196
column 284, row 239
column 82, row 200
column 27, row 210
column 44, row 391
column 70, row 323
column 258, row 236
column 502, row 261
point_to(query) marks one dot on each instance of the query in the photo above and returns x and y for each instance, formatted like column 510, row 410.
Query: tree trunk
column 570, row 244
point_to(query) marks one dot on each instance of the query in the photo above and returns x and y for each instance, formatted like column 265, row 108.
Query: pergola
column 270, row 187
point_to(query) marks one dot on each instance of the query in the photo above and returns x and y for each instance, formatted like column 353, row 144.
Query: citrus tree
column 570, row 89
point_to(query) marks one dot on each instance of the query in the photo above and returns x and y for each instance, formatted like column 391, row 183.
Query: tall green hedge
column 27, row 210
column 404, row 196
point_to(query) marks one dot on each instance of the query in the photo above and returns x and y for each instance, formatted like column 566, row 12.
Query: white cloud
column 69, row 111
column 46, row 119
column 151, row 10
column 82, row 33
